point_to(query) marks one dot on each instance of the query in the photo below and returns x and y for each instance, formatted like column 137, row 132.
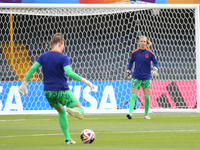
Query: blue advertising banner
column 81, row 1
column 106, row 95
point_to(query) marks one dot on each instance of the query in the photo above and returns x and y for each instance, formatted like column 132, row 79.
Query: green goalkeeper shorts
column 135, row 83
column 66, row 98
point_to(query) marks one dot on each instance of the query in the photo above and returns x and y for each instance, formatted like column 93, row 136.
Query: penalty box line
column 11, row 136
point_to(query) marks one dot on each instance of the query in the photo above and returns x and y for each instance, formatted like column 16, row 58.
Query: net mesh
column 99, row 43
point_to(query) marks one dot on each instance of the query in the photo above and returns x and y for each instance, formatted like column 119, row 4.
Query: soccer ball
column 87, row 136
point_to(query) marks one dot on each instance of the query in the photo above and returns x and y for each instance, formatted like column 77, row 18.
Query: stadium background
column 33, row 27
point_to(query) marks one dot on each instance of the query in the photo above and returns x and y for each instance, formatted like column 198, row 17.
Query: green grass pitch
column 165, row 131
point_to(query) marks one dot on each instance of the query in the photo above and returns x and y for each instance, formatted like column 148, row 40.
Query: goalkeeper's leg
column 55, row 98
column 62, row 118
column 135, row 86
column 67, row 98
column 147, row 102
column 76, row 111
column 131, row 105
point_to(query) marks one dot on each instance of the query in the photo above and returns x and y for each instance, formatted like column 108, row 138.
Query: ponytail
column 57, row 38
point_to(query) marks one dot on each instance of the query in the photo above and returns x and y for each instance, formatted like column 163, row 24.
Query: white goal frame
column 125, row 6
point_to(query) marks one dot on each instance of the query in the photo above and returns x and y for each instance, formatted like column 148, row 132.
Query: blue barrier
column 106, row 95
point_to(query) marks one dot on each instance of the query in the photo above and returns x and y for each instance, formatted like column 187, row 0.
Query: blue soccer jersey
column 54, row 76
column 142, row 59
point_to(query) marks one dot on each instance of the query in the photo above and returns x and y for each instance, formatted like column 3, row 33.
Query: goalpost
column 99, row 39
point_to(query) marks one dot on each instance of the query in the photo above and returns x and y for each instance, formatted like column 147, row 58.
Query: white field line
column 8, row 136
column 22, row 120
column 69, row 118
column 47, row 119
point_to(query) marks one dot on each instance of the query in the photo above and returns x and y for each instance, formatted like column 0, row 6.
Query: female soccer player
column 142, row 74
column 54, row 66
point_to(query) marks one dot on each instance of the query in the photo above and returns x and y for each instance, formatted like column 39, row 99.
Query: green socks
column 81, row 110
column 62, row 118
column 147, row 102
column 132, row 102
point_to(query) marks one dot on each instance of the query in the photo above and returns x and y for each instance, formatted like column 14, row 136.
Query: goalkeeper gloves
column 23, row 87
column 128, row 75
column 87, row 83
column 154, row 72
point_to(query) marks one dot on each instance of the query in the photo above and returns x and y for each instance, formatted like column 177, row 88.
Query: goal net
column 99, row 40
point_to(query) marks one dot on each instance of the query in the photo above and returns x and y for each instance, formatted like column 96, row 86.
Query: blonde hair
column 57, row 38
column 148, row 42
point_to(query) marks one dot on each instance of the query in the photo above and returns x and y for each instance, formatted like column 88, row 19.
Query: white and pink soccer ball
column 87, row 136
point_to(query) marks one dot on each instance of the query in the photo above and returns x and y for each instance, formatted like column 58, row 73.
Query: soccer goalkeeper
column 142, row 74
column 55, row 66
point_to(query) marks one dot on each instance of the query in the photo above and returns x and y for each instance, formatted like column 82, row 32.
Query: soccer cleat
column 129, row 116
column 70, row 142
column 147, row 117
column 74, row 113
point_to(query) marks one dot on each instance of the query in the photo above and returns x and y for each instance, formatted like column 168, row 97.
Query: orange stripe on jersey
column 149, row 51
column 135, row 50
column 55, row 51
